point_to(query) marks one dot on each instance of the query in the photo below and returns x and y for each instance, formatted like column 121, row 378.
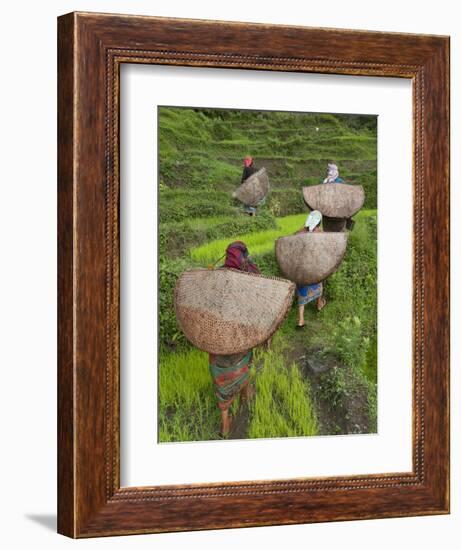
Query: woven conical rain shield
column 335, row 200
column 309, row 258
column 226, row 311
column 254, row 189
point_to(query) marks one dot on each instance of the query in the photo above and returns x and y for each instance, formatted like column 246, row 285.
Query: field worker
column 333, row 177
column 332, row 174
column 309, row 293
column 237, row 257
column 231, row 373
column 248, row 170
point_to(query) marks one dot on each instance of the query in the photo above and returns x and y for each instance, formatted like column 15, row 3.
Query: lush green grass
column 351, row 317
column 257, row 243
column 261, row 242
column 188, row 411
column 178, row 205
column 176, row 238
column 349, row 322
column 283, row 405
column 206, row 223
column 201, row 149
column 187, row 407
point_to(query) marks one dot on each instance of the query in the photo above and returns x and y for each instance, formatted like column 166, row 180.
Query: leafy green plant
column 282, row 202
column 170, row 335
column 334, row 386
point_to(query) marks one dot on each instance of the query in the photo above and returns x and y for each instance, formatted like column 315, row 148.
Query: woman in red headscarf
column 231, row 373
column 237, row 257
column 248, row 168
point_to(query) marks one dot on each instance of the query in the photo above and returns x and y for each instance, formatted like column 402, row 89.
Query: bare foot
column 226, row 423
column 321, row 303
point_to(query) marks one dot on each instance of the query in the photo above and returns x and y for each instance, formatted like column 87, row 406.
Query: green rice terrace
column 321, row 380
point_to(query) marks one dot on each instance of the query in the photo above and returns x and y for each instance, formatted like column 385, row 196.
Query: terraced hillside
column 321, row 380
column 202, row 149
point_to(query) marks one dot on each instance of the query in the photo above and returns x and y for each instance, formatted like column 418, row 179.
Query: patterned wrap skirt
column 230, row 374
column 309, row 293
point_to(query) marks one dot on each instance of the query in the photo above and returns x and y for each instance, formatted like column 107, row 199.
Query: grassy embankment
column 196, row 226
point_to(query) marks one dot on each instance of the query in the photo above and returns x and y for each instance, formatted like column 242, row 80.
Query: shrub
column 267, row 264
column 351, row 319
column 170, row 335
column 182, row 205
column 282, row 202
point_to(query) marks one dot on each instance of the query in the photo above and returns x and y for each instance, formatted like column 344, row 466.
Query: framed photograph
column 253, row 275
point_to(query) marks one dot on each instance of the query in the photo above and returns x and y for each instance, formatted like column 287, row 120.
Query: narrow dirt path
column 240, row 423
column 341, row 402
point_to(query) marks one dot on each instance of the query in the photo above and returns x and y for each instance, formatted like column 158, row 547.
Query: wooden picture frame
column 92, row 47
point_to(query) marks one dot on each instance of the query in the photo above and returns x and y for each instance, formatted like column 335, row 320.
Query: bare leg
column 301, row 322
column 226, row 422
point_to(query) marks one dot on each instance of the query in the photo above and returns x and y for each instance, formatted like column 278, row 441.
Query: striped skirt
column 230, row 374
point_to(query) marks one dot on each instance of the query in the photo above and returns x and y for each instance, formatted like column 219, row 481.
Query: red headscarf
column 237, row 258
column 248, row 161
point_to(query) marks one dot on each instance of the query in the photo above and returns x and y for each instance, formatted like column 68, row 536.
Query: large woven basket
column 254, row 189
column 335, row 200
column 309, row 258
column 225, row 311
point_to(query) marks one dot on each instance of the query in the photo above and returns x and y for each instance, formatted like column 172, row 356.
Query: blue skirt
column 309, row 293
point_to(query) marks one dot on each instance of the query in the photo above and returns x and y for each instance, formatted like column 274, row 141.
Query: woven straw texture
column 225, row 311
column 336, row 200
column 254, row 189
column 309, row 258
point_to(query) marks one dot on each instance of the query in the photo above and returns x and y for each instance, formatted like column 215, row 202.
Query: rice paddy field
column 321, row 380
